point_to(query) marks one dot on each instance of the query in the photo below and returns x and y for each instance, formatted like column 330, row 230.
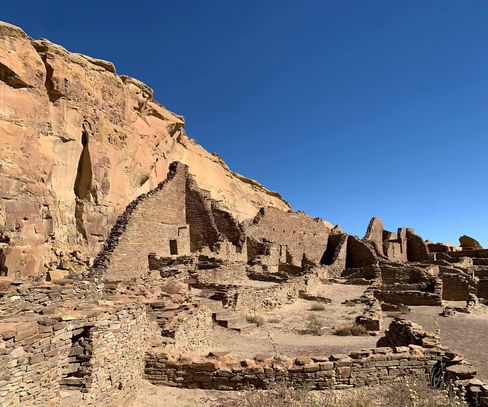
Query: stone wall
column 408, row 297
column 18, row 297
column 192, row 331
column 177, row 218
column 366, row 367
column 154, row 217
column 305, row 237
column 452, row 371
column 334, row 259
column 456, row 284
column 255, row 299
column 96, row 356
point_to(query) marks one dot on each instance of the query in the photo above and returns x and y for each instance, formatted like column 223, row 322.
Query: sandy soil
column 463, row 333
column 285, row 327
column 159, row 396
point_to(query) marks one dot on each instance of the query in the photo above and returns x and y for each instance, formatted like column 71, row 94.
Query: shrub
column 404, row 393
column 172, row 287
column 315, row 326
column 255, row 319
column 317, row 307
column 350, row 303
column 326, row 281
column 351, row 330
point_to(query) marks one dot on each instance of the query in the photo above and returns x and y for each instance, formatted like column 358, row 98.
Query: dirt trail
column 463, row 333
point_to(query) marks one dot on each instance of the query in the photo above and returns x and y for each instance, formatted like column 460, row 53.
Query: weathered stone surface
column 468, row 242
column 56, row 275
column 374, row 234
column 461, row 371
column 77, row 144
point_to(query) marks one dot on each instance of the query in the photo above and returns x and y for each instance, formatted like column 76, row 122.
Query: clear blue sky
column 350, row 109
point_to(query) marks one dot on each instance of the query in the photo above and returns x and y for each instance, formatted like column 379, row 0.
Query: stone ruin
column 86, row 315
column 175, row 264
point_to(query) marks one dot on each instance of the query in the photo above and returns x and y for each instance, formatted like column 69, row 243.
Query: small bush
column 317, row 307
column 315, row 326
column 172, row 287
column 326, row 281
column 255, row 319
column 351, row 330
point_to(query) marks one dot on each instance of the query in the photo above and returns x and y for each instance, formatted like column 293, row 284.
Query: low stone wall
column 193, row 330
column 453, row 370
column 366, row 367
column 96, row 356
column 408, row 297
column 16, row 297
column 255, row 300
column 456, row 286
column 372, row 316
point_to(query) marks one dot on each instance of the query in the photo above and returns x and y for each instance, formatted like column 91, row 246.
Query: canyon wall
column 78, row 142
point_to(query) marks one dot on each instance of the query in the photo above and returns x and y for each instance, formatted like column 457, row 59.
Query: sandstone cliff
column 77, row 143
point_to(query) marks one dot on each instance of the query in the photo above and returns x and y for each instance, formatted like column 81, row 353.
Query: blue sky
column 350, row 109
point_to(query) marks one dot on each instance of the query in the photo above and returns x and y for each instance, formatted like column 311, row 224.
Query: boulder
column 467, row 242
column 54, row 275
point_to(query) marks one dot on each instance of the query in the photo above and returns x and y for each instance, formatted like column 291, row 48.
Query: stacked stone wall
column 304, row 237
column 253, row 299
column 156, row 219
column 35, row 355
column 18, row 298
column 367, row 367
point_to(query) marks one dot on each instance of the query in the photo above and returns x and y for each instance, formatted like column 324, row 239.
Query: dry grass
column 351, row 330
column 316, row 306
column 315, row 326
column 326, row 281
column 274, row 320
column 172, row 287
column 255, row 319
column 403, row 393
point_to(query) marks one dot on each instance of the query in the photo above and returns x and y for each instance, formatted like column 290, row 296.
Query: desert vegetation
column 404, row 393
column 351, row 330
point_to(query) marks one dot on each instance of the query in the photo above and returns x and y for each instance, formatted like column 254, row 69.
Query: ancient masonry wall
column 175, row 219
column 43, row 297
column 264, row 299
column 367, row 367
column 193, row 332
column 305, row 238
column 151, row 217
column 96, row 356
column 203, row 230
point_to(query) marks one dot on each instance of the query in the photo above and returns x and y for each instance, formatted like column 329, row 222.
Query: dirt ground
column 284, row 328
column 463, row 333
column 149, row 395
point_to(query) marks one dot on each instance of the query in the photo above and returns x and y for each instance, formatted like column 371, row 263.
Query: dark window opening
column 173, row 247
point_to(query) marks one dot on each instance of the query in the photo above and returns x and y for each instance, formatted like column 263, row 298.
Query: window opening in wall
column 173, row 247
column 76, row 374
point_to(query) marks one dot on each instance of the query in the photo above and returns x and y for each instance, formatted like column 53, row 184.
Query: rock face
column 77, row 144
column 469, row 243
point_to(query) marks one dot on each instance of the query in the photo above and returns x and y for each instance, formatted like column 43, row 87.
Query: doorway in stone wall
column 77, row 372
column 173, row 247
